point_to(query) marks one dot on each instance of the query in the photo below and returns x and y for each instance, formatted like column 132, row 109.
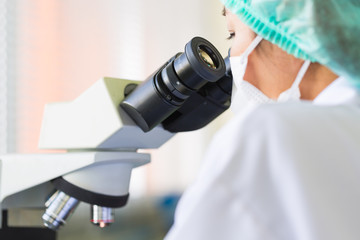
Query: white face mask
column 247, row 96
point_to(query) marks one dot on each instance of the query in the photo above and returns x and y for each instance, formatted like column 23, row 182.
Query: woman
column 289, row 170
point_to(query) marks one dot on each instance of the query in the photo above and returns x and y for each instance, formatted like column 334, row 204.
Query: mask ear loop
column 300, row 75
column 252, row 46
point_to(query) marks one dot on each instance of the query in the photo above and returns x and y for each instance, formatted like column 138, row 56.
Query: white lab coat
column 286, row 171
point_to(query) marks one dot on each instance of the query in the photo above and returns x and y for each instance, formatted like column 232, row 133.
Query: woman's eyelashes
column 232, row 35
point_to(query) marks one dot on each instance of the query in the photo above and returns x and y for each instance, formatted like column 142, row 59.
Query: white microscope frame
column 101, row 143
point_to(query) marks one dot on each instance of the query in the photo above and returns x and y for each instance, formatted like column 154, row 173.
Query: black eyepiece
column 169, row 87
column 201, row 63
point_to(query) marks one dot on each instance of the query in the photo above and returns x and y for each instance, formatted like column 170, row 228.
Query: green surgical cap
column 324, row 31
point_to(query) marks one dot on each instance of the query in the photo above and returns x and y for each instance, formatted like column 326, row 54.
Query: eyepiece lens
column 208, row 57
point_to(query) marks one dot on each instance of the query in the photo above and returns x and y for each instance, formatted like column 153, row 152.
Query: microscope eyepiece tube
column 168, row 88
column 59, row 207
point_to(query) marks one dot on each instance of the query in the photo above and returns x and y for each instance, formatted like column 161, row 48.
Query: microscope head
column 94, row 120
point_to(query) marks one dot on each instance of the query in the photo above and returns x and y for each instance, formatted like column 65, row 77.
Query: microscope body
column 100, row 132
column 101, row 143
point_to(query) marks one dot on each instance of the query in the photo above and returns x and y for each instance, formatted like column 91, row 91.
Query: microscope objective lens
column 59, row 207
column 102, row 216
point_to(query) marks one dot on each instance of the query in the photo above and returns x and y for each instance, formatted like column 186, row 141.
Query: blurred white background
column 52, row 50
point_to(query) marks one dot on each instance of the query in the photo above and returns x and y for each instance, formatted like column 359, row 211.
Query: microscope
column 100, row 133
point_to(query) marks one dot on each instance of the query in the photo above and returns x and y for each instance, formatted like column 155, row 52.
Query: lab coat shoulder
column 211, row 208
column 303, row 124
column 286, row 171
column 299, row 166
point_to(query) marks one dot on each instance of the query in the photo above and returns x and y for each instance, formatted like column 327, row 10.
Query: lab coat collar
column 338, row 92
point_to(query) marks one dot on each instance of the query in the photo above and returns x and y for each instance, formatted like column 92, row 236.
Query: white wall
column 3, row 85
